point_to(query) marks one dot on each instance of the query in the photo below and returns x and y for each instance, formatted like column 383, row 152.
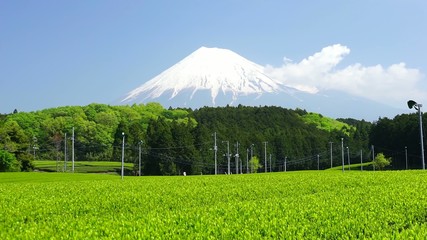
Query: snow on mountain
column 220, row 71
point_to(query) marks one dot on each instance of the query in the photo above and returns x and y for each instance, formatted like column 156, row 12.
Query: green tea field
column 291, row 205
column 81, row 166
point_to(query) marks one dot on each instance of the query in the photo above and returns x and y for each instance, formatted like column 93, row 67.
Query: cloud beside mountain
column 392, row 85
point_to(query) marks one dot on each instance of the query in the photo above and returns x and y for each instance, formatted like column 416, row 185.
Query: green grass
column 40, row 177
column 82, row 166
column 356, row 166
column 291, row 205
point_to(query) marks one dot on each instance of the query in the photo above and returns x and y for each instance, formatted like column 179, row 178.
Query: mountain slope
column 208, row 71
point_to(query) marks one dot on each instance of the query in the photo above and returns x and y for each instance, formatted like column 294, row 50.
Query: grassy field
column 292, row 205
column 82, row 166
column 355, row 166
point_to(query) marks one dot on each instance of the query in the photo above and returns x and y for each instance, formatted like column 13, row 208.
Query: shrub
column 8, row 162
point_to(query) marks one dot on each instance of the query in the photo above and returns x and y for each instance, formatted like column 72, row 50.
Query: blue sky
column 56, row 53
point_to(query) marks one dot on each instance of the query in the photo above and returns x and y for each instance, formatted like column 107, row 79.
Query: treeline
column 98, row 130
column 399, row 138
column 288, row 135
column 173, row 141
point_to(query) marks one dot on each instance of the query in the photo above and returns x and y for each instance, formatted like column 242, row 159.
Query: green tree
column 205, row 151
column 160, row 157
column 397, row 133
column 13, row 137
column 118, row 141
column 25, row 161
column 184, row 151
column 381, row 161
column 8, row 162
column 254, row 164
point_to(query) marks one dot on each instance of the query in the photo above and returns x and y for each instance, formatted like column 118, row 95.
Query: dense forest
column 173, row 141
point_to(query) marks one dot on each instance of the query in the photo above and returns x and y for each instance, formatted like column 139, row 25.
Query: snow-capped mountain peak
column 211, row 69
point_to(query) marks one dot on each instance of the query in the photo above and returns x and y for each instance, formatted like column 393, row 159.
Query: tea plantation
column 291, row 205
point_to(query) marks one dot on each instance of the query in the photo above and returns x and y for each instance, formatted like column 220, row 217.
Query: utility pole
column 34, row 146
column 252, row 155
column 373, row 157
column 285, row 163
column 34, row 151
column 72, row 150
column 247, row 160
column 318, row 163
column 241, row 166
column 361, row 160
column 418, row 107
column 237, row 157
column 348, row 157
column 65, row 153
column 265, row 156
column 123, row 155
column 342, row 153
column 330, row 143
column 139, row 158
column 57, row 158
column 406, row 157
column 215, row 151
column 270, row 162
column 228, row 155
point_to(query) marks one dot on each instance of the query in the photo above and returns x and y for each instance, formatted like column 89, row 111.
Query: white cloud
column 392, row 85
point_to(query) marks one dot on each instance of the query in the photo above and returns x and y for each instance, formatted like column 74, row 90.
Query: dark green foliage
column 284, row 130
column 83, row 166
column 8, row 162
column 160, row 158
column 391, row 136
column 184, row 151
column 13, row 136
column 26, row 161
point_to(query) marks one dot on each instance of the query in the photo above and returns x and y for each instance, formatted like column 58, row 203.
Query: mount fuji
column 219, row 77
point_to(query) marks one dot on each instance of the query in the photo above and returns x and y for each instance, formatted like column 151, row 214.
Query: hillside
column 326, row 123
column 176, row 140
